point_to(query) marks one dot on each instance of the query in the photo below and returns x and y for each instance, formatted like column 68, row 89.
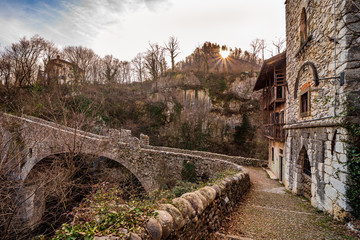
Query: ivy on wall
column 353, row 154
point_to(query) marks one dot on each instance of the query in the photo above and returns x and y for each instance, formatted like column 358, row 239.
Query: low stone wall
column 195, row 215
column 234, row 159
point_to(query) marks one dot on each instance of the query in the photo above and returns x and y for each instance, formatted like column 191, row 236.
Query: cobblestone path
column 269, row 212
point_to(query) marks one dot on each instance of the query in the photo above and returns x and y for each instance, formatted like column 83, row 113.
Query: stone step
column 271, row 174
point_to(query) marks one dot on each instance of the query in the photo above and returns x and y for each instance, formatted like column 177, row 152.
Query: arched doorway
column 305, row 182
column 59, row 182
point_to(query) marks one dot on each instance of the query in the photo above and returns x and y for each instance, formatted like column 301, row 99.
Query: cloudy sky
column 125, row 27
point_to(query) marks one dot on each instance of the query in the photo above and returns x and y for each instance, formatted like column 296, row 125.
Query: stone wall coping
column 55, row 126
column 322, row 122
column 189, row 207
column 236, row 166
column 202, row 153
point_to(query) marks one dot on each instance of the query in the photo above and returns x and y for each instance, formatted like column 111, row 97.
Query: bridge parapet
column 56, row 125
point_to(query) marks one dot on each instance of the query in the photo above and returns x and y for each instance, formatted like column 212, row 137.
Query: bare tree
column 173, row 47
column 24, row 57
column 5, row 69
column 256, row 47
column 279, row 44
column 162, row 62
column 125, row 71
column 139, row 67
column 82, row 57
column 262, row 49
column 236, row 53
column 112, row 68
column 50, row 52
column 152, row 61
column 247, row 56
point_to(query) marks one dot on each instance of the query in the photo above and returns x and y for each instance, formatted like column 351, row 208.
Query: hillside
column 204, row 109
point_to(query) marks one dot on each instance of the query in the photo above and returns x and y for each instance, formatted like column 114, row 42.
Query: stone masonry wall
column 194, row 215
column 319, row 132
column 234, row 159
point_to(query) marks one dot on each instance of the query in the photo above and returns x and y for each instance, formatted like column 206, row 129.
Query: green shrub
column 188, row 172
column 353, row 165
column 353, row 153
column 244, row 132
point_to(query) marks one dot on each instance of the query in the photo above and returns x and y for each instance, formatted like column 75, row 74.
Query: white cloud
column 124, row 28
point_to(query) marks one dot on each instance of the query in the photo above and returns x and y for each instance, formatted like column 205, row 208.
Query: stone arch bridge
column 37, row 139
column 25, row 141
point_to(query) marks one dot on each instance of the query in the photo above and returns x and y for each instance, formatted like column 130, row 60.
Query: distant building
column 272, row 82
column 61, row 72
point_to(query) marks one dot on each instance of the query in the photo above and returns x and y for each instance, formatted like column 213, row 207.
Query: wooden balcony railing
column 273, row 94
column 274, row 132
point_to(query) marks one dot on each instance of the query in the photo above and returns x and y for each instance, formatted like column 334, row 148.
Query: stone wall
column 234, row 159
column 194, row 215
column 164, row 168
column 318, row 132
column 275, row 164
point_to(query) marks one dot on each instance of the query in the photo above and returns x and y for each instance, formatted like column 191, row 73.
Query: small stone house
column 323, row 75
column 62, row 72
column 272, row 82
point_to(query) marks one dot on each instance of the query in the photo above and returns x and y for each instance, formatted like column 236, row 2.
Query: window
column 304, row 162
column 305, row 103
column 303, row 27
column 272, row 154
column 282, row 117
column 273, row 118
column 277, row 116
column 279, row 92
column 306, row 167
column 281, row 151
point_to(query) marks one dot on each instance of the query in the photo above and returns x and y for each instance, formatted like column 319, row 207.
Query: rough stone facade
column 315, row 132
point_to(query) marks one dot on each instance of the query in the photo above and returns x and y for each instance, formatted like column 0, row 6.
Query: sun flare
column 224, row 53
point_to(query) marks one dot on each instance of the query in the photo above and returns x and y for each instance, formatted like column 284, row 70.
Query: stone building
column 322, row 72
column 272, row 82
column 61, row 72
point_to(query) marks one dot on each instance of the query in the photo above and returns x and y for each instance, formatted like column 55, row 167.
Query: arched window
column 304, row 162
column 303, row 27
column 306, row 166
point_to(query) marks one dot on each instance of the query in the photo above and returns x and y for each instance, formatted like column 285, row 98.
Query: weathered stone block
column 330, row 192
column 179, row 221
column 154, row 228
column 339, row 186
column 166, row 221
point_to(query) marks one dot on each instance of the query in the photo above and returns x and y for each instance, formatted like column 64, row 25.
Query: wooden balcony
column 274, row 132
column 274, row 94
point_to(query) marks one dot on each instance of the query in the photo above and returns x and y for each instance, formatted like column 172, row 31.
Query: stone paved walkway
column 269, row 212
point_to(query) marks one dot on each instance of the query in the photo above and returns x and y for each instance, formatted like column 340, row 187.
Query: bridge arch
column 116, row 157
column 62, row 176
